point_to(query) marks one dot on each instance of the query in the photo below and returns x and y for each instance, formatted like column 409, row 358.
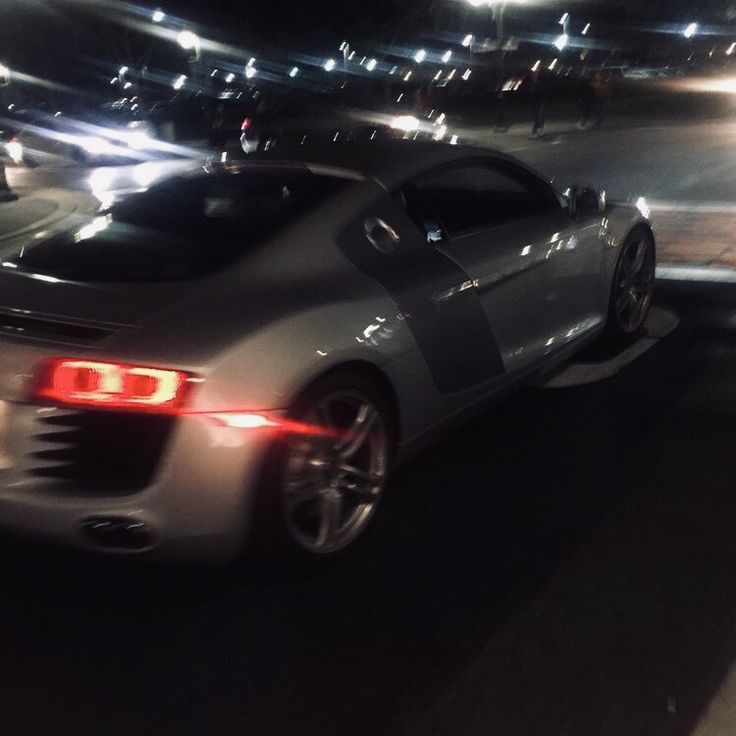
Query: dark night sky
column 77, row 39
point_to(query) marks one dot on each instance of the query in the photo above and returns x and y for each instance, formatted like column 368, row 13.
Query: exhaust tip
column 117, row 533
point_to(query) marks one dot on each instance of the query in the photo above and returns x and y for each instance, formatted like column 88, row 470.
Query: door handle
column 381, row 235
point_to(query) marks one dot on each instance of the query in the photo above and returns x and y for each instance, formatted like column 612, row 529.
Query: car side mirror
column 585, row 200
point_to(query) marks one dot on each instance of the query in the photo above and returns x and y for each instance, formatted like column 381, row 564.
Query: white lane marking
column 659, row 324
column 696, row 273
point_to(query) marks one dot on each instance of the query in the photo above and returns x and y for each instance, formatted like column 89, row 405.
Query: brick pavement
column 704, row 237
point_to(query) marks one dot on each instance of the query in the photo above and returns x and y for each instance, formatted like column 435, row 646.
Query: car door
column 537, row 276
column 434, row 296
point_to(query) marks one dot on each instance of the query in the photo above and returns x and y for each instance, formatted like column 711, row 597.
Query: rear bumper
column 197, row 506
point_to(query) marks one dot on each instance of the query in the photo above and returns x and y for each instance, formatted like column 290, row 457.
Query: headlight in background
column 14, row 149
column 138, row 140
column 98, row 146
column 407, row 123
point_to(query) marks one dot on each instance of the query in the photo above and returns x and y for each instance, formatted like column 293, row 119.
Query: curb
column 66, row 205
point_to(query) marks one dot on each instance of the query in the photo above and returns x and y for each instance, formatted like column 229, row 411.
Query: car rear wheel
column 633, row 286
column 329, row 469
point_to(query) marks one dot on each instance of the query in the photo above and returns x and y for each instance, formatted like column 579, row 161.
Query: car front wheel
column 633, row 286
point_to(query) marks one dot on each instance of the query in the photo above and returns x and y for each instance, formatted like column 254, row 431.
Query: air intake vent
column 105, row 453
column 41, row 327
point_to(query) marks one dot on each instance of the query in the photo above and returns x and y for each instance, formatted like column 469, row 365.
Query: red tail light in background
column 99, row 384
column 245, row 124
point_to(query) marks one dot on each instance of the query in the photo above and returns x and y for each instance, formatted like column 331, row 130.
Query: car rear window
column 183, row 228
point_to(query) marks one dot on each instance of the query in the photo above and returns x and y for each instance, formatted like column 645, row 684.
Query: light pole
column 689, row 33
column 191, row 42
column 499, row 11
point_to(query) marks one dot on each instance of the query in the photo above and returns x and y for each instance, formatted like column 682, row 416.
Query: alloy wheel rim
column 634, row 285
column 335, row 470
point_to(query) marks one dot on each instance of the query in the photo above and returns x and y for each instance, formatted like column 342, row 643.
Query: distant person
column 601, row 97
column 587, row 101
column 541, row 81
column 594, row 100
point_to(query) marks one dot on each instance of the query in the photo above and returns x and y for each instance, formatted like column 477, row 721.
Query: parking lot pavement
column 40, row 208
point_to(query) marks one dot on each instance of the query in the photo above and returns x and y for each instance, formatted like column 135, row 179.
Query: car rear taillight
column 78, row 382
column 245, row 124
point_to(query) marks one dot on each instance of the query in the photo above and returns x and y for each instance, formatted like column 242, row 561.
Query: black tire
column 274, row 538
column 632, row 287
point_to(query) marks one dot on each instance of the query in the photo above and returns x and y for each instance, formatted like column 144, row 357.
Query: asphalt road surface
column 563, row 566
column 693, row 163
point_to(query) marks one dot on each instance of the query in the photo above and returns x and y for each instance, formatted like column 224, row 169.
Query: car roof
column 389, row 162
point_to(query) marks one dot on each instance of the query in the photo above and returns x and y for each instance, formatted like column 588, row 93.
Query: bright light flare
column 187, row 40
column 420, row 56
column 91, row 229
column 731, row 49
column 294, row 71
column 97, row 146
column 643, row 207
column 330, row 65
column 447, row 56
column 690, row 30
column 586, row 29
column 468, row 40
column 722, row 85
column 371, row 65
column 561, row 41
column 250, row 72
column 14, row 149
column 180, row 81
column 407, row 123
column 158, row 16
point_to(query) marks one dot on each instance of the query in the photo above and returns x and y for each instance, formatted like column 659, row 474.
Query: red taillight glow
column 93, row 383
column 242, row 420
column 245, row 124
column 252, row 420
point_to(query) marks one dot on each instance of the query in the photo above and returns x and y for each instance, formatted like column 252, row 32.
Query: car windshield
column 182, row 228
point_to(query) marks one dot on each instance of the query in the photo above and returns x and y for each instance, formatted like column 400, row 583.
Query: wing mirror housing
column 585, row 200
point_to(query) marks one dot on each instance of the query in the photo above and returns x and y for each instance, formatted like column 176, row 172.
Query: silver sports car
column 242, row 355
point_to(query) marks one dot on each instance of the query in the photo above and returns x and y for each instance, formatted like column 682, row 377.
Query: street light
column 690, row 30
column 499, row 9
column 561, row 42
column 329, row 65
column 188, row 41
column 447, row 56
column 180, row 81
column 586, row 29
column 468, row 41
column 371, row 65
column 420, row 56
column 158, row 16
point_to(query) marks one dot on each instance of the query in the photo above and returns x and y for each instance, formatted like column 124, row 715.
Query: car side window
column 482, row 195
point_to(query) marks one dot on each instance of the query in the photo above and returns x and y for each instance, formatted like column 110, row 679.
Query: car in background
column 45, row 138
column 242, row 355
column 314, row 117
